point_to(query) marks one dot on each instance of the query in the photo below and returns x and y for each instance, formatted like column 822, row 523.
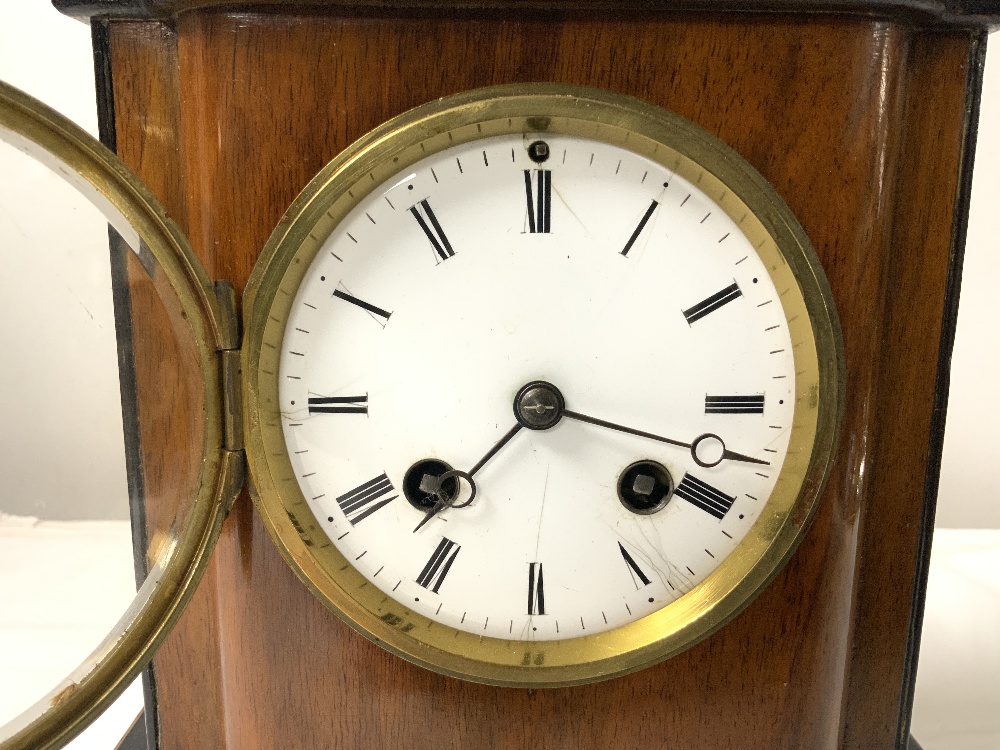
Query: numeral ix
column 338, row 404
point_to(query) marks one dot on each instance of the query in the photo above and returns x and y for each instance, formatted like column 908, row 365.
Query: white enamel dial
column 480, row 269
column 542, row 385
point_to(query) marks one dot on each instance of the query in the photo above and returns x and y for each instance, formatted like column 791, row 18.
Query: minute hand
column 726, row 453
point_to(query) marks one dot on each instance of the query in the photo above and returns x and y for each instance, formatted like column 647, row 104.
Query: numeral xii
column 539, row 200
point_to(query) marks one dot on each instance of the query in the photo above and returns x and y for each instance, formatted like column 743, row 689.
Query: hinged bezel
column 184, row 551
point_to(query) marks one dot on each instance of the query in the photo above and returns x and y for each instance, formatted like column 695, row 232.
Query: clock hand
column 495, row 449
column 693, row 446
column 448, row 502
column 539, row 406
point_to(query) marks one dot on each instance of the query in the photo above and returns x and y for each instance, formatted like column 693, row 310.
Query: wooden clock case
column 862, row 115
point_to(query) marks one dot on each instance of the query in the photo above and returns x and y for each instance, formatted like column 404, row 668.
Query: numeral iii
column 734, row 404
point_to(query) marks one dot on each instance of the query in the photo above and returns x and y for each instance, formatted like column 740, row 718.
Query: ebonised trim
column 122, row 302
column 962, row 13
column 101, row 42
column 959, row 232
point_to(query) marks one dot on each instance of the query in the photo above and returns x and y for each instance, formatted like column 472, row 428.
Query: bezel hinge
column 232, row 381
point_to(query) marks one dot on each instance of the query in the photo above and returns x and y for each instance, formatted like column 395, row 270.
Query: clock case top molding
column 863, row 118
column 945, row 12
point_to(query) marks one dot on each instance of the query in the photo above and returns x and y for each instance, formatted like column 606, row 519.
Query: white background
column 61, row 454
column 957, row 699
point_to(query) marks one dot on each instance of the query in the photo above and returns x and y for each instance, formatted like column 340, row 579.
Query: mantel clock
column 571, row 372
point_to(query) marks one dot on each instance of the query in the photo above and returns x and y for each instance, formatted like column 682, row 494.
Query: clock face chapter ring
column 593, row 341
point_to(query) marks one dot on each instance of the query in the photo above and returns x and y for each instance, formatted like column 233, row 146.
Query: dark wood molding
column 122, row 304
column 966, row 13
column 977, row 65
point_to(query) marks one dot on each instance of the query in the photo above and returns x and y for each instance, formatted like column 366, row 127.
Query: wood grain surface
column 152, row 147
column 857, row 122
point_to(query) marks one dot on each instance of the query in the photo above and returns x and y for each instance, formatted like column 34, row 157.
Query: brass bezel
column 683, row 148
column 46, row 135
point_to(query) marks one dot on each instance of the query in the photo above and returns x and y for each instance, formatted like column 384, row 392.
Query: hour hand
column 705, row 450
column 448, row 501
column 440, row 505
column 733, row 456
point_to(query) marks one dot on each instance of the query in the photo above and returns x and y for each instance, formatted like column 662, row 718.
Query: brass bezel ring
column 681, row 147
column 47, row 136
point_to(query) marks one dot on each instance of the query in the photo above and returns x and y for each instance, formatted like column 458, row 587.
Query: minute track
column 518, row 305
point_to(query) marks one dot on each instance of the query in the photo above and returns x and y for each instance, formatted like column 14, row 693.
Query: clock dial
column 531, row 382
column 531, row 290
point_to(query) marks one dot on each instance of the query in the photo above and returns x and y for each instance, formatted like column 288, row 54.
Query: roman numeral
column 377, row 312
column 367, row 498
column 638, row 229
column 734, row 404
column 713, row 303
column 338, row 404
column 434, row 572
column 704, row 496
column 633, row 567
column 536, row 591
column 428, row 222
column 540, row 208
